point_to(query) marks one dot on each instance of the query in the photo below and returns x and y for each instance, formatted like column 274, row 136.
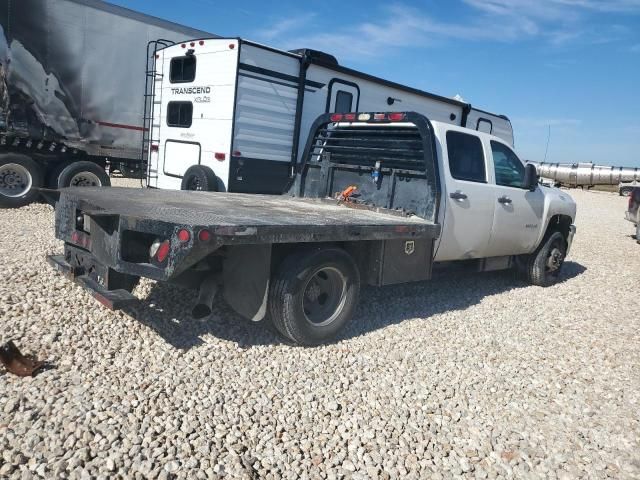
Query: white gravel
column 476, row 377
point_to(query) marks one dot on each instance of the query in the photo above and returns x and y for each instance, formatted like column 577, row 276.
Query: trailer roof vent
column 316, row 55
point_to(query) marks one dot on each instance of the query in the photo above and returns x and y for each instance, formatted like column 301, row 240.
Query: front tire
column 543, row 266
column 20, row 177
column 83, row 174
column 313, row 295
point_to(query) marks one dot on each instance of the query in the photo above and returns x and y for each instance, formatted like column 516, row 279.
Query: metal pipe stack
column 583, row 174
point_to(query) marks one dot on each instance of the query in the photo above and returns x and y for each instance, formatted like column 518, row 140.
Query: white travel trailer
column 233, row 115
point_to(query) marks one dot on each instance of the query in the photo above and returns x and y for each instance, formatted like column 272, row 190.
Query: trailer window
column 466, row 158
column 509, row 169
column 344, row 100
column 182, row 69
column 179, row 114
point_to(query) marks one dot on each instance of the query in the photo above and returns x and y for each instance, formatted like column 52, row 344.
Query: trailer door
column 343, row 96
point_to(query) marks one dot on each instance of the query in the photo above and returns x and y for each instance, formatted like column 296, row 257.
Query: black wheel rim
column 324, row 296
column 555, row 258
column 194, row 184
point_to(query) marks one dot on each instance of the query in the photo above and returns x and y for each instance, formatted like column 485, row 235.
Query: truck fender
column 245, row 278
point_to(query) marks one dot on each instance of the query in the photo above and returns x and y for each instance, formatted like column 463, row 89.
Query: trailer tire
column 83, row 174
column 54, row 174
column 543, row 266
column 201, row 178
column 313, row 295
column 20, row 178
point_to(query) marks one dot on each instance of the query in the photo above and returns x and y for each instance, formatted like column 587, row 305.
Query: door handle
column 458, row 195
column 505, row 200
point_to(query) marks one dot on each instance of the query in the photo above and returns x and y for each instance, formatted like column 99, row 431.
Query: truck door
column 518, row 212
column 468, row 205
column 343, row 96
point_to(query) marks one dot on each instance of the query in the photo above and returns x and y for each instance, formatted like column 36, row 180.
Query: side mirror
column 530, row 177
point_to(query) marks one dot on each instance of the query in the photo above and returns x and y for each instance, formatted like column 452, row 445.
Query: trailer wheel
column 20, row 177
column 199, row 177
column 544, row 265
column 83, row 174
column 313, row 295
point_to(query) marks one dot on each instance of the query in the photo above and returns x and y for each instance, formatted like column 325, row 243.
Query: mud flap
column 246, row 271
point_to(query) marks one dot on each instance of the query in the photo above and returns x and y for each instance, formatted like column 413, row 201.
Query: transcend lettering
column 190, row 90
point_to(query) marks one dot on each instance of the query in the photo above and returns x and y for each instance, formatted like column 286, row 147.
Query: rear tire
column 83, row 174
column 313, row 295
column 543, row 266
column 20, row 177
column 200, row 178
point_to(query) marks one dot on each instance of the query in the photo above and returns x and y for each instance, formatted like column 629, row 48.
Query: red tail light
column 184, row 235
column 220, row 156
column 350, row 116
column 201, row 42
column 184, row 45
column 155, row 148
column 193, row 44
column 204, row 235
column 163, row 251
column 396, row 117
column 336, row 117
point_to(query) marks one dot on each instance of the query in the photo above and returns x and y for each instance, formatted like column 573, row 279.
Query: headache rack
column 389, row 157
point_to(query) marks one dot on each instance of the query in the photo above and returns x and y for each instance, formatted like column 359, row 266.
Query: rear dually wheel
column 313, row 295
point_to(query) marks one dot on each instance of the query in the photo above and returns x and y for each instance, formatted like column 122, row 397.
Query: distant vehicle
column 229, row 114
column 633, row 211
column 71, row 92
column 379, row 198
column 625, row 189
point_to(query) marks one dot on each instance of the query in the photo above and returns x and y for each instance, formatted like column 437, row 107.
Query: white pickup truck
column 379, row 199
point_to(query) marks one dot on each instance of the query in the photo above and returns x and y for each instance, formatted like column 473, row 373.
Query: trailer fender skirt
column 245, row 272
column 112, row 299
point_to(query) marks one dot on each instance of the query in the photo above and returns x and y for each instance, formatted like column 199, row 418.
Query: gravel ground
column 478, row 376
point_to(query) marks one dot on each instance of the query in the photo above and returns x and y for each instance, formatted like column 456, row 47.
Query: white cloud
column 558, row 22
column 285, row 26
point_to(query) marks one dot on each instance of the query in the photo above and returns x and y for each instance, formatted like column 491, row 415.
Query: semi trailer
column 379, row 199
column 72, row 83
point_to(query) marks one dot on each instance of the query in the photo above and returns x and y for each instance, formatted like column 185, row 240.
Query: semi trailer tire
column 83, row 174
column 20, row 177
column 201, row 178
column 313, row 295
column 543, row 266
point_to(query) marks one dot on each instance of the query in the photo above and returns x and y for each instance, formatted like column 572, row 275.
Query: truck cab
column 488, row 210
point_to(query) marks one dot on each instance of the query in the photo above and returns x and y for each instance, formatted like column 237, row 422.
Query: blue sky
column 573, row 65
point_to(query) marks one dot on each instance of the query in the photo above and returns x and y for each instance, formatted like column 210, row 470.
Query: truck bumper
column 112, row 299
column 572, row 232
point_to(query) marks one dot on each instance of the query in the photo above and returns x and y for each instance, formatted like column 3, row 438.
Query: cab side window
column 466, row 158
column 509, row 169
